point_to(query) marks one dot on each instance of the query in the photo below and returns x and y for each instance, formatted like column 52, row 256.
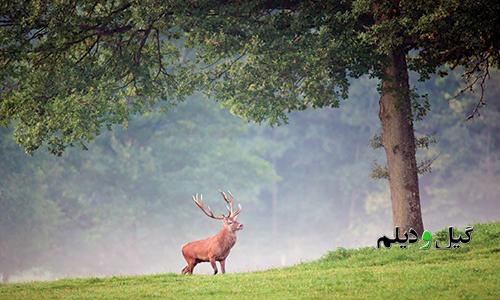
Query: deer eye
column 229, row 222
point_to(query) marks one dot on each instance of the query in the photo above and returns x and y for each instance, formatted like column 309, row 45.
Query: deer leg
column 214, row 265
column 190, row 267
column 223, row 266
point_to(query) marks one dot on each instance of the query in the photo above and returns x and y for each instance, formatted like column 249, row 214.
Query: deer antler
column 230, row 200
column 207, row 210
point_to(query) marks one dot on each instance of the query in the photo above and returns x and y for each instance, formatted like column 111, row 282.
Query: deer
column 217, row 247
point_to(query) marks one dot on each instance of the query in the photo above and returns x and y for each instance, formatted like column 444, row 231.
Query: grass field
column 471, row 272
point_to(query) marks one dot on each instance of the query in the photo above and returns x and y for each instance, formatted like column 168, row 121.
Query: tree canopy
column 129, row 194
column 129, row 186
column 69, row 68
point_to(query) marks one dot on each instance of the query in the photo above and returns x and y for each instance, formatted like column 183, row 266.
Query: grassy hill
column 472, row 271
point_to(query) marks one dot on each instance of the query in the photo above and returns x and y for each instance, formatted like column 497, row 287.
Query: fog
column 124, row 206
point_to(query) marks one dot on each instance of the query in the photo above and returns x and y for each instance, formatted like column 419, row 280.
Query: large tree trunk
column 399, row 143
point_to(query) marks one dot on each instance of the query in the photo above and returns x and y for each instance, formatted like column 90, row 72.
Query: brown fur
column 217, row 247
column 212, row 249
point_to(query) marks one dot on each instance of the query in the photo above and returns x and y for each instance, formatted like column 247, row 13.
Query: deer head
column 229, row 221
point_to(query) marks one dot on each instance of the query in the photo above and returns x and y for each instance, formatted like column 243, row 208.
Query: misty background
column 124, row 206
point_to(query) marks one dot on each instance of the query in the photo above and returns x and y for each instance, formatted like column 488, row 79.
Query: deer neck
column 227, row 235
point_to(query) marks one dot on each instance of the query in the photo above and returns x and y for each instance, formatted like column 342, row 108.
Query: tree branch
column 158, row 49
column 478, row 72
column 137, row 56
column 89, row 49
column 229, row 66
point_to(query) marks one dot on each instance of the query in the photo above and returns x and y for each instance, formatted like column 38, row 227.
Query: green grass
column 471, row 272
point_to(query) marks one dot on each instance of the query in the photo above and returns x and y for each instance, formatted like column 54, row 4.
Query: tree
column 127, row 196
column 468, row 157
column 70, row 68
column 271, row 61
column 27, row 219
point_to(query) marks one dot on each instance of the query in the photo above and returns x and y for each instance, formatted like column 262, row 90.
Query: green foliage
column 376, row 141
column 130, row 184
column 344, row 273
column 425, row 141
column 420, row 104
column 379, row 172
column 70, row 69
column 140, row 180
column 26, row 219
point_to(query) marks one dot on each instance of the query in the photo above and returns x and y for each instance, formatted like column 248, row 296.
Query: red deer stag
column 217, row 247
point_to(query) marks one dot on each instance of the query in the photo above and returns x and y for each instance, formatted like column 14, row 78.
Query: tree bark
column 399, row 143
